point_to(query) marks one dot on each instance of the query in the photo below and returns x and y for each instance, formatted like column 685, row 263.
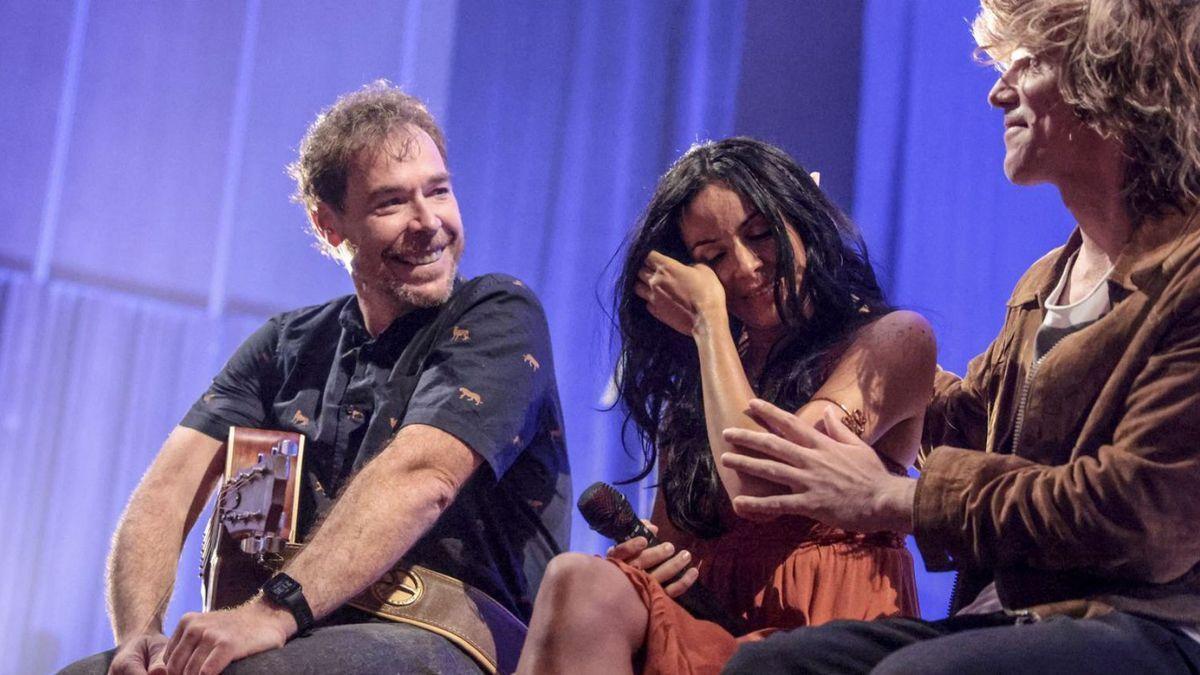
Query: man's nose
column 1002, row 95
column 423, row 216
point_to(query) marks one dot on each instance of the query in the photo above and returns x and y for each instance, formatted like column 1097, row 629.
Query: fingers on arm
column 767, row 469
column 768, row 507
column 837, row 429
column 782, row 423
column 793, row 449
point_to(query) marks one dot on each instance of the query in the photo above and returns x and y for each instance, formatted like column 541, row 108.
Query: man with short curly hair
column 433, row 427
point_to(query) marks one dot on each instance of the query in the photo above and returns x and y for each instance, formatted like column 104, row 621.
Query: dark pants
column 1115, row 643
column 375, row 646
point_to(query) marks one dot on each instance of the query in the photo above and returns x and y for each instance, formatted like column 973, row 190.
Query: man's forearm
column 383, row 512
column 146, row 546
column 141, row 567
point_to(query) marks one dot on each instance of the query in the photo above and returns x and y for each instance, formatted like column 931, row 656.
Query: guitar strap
column 419, row 596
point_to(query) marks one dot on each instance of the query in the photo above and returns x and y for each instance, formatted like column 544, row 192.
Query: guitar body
column 261, row 516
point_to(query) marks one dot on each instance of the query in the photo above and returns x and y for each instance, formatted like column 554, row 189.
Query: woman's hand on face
column 662, row 562
column 681, row 296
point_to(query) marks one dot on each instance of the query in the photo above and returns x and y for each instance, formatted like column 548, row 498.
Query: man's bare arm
column 146, row 546
column 396, row 498
column 388, row 506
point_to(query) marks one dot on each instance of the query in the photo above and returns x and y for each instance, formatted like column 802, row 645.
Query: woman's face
column 726, row 232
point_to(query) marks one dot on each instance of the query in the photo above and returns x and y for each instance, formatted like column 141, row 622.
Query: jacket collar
column 1146, row 257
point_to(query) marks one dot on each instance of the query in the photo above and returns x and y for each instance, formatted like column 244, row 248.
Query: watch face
column 281, row 586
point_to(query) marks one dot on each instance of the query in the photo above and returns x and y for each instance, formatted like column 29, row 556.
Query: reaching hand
column 136, row 656
column 677, row 294
column 832, row 475
column 207, row 643
column 661, row 562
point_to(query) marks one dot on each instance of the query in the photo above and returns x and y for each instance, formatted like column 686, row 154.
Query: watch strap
column 286, row 592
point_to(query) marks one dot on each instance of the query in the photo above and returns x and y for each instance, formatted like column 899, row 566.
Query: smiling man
column 433, row 427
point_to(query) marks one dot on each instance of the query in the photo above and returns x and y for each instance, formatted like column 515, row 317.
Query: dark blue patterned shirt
column 478, row 367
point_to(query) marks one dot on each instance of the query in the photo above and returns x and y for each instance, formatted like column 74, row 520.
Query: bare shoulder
column 901, row 345
column 902, row 332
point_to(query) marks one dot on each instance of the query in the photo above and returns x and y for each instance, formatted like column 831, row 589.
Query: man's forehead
column 401, row 144
column 407, row 144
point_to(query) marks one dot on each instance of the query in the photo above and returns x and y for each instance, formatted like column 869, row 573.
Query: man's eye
column 439, row 191
column 390, row 203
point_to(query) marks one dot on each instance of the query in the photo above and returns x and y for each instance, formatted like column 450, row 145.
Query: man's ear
column 325, row 221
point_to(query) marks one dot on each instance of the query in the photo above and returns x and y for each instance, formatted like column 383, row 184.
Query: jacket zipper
column 1019, row 424
column 954, row 591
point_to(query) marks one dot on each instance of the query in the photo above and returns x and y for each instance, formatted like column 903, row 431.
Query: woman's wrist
column 709, row 319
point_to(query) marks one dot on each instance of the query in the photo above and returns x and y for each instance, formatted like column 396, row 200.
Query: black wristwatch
column 284, row 591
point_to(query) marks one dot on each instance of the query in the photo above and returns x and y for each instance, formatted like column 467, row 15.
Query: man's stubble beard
column 410, row 297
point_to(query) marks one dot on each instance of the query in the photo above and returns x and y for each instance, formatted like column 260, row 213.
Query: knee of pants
column 374, row 647
column 794, row 651
column 755, row 658
column 96, row 664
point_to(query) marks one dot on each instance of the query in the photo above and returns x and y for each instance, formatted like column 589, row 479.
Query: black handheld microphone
column 609, row 513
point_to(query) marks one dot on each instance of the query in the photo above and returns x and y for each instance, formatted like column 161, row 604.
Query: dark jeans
column 1115, row 643
column 373, row 646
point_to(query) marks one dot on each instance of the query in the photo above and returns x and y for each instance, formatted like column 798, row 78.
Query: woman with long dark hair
column 742, row 280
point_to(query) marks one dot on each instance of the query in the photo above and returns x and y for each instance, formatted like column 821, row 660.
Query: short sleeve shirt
column 478, row 367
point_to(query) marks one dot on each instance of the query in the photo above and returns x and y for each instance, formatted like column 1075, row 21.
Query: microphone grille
column 606, row 510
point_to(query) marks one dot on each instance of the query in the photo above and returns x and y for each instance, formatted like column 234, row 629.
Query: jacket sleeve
column 1126, row 511
column 957, row 414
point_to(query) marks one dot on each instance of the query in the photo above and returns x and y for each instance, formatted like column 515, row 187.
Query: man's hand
column 833, row 476
column 661, row 562
column 208, row 642
column 137, row 655
column 679, row 295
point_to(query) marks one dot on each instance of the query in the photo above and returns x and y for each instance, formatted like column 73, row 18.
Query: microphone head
column 607, row 511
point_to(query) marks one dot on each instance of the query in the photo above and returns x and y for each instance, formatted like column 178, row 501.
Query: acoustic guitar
column 252, row 535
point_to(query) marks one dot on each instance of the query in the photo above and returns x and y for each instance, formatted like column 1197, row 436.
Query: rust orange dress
column 776, row 575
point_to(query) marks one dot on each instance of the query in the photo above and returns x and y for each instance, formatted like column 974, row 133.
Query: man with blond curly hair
column 431, row 439
column 1059, row 475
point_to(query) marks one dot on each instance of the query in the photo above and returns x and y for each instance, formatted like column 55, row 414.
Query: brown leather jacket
column 1088, row 483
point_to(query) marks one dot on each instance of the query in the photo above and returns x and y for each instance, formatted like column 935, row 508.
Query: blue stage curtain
column 556, row 140
column 147, row 227
column 948, row 233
